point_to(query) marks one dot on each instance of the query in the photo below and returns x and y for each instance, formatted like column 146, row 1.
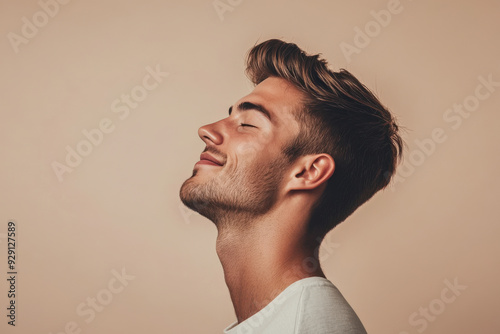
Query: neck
column 265, row 257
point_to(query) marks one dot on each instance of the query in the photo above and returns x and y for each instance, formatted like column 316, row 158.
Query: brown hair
column 340, row 117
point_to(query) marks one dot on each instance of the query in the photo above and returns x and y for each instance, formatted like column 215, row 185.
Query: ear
column 311, row 171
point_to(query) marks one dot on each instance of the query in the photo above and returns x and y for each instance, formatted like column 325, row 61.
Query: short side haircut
column 340, row 117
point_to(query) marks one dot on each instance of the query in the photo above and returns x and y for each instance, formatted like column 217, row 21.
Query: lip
column 207, row 162
column 207, row 159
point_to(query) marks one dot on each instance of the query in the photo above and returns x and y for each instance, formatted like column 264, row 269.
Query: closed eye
column 243, row 124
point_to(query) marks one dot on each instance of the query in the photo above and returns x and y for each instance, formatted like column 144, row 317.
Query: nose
column 211, row 134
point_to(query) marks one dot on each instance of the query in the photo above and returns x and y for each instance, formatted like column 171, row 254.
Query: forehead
column 280, row 98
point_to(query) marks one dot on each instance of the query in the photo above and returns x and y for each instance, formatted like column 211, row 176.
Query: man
column 293, row 159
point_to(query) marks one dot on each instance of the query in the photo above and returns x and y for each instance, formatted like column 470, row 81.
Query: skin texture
column 259, row 202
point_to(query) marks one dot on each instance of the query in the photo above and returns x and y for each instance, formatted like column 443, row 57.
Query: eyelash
column 243, row 124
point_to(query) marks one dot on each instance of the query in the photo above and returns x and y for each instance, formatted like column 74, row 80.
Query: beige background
column 120, row 208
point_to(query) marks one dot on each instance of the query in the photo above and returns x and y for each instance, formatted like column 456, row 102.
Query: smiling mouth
column 208, row 159
column 207, row 162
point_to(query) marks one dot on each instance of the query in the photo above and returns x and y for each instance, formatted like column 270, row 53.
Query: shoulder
column 323, row 309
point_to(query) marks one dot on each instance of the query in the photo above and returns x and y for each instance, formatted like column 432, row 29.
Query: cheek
column 248, row 151
column 258, row 145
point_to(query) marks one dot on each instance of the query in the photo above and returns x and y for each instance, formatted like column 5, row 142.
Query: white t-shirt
column 311, row 305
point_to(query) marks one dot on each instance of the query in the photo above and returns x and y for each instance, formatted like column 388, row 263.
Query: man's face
column 248, row 146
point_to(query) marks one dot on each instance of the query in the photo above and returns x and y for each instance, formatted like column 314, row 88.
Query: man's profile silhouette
column 292, row 160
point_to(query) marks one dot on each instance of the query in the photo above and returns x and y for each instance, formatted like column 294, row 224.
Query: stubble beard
column 236, row 196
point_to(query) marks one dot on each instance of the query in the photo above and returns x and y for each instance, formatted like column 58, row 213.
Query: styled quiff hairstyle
column 340, row 117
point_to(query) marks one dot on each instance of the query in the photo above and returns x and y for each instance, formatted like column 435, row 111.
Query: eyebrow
column 252, row 106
